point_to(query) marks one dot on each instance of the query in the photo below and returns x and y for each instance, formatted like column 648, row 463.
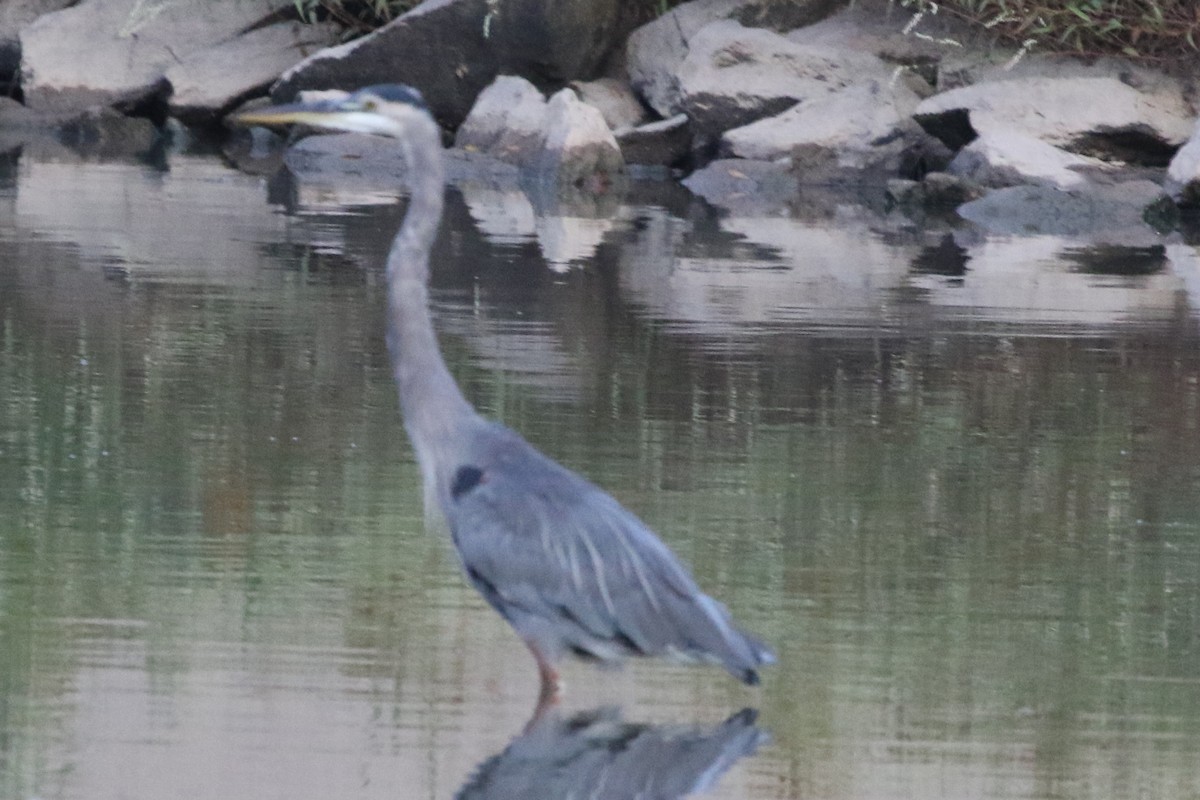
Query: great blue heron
column 568, row 566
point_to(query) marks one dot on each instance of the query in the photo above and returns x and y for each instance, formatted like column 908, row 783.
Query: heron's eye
column 368, row 105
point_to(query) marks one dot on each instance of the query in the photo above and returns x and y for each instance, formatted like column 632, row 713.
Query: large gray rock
column 508, row 122
column 735, row 75
column 580, row 149
column 1078, row 113
column 878, row 27
column 614, row 99
column 1113, row 213
column 452, row 49
column 656, row 50
column 1009, row 158
column 1183, row 173
column 203, row 85
column 105, row 133
column 15, row 15
column 849, row 123
column 115, row 52
column 907, row 153
column 745, row 187
column 95, row 133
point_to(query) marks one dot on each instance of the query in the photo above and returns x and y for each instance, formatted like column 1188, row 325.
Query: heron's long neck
column 429, row 397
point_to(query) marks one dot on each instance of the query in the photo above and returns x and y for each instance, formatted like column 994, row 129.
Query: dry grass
column 356, row 16
column 1144, row 29
column 362, row 16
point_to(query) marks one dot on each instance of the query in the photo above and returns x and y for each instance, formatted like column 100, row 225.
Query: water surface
column 954, row 480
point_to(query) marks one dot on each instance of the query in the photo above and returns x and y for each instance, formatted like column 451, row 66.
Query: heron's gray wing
column 542, row 541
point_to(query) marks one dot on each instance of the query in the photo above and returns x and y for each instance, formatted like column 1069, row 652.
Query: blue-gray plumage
column 572, row 571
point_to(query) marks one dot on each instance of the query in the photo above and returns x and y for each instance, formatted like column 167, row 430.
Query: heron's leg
column 550, row 690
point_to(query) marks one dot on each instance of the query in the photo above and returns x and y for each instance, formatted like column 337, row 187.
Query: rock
column 860, row 136
column 1010, row 158
column 19, row 125
column 115, row 52
column 580, row 150
column 551, row 41
column 944, row 189
column 1064, row 112
column 15, row 15
column 452, row 49
column 1105, row 213
column 878, row 27
column 655, row 51
column 851, row 123
column 909, row 153
column 564, row 141
column 203, row 85
column 507, row 122
column 744, row 187
column 96, row 132
column 105, row 133
column 15, row 116
column 734, row 75
column 666, row 142
column 938, row 190
column 614, row 99
column 1183, row 173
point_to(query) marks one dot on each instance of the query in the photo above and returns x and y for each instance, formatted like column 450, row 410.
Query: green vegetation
column 1148, row 29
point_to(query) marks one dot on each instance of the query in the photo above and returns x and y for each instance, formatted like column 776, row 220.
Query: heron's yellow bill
column 318, row 114
column 341, row 113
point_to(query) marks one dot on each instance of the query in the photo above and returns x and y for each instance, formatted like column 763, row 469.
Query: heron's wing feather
column 546, row 542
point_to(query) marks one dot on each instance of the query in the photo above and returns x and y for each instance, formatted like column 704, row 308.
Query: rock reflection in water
column 597, row 755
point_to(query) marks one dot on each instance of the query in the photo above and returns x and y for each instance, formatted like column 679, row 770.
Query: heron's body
column 570, row 569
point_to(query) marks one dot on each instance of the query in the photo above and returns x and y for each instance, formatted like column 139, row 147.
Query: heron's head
column 384, row 110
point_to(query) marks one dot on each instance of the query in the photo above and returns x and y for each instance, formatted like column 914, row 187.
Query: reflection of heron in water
column 595, row 755
column 569, row 568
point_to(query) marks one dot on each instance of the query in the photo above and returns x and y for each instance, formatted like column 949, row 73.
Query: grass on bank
column 356, row 16
column 362, row 16
column 1144, row 29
